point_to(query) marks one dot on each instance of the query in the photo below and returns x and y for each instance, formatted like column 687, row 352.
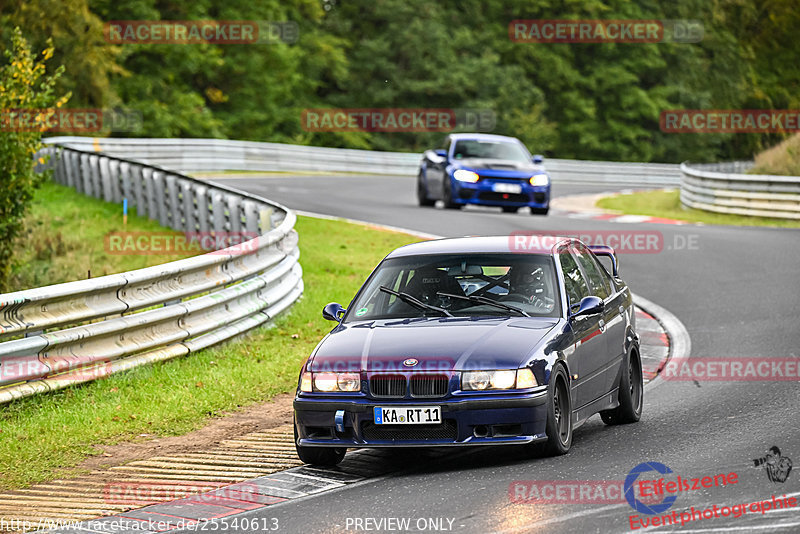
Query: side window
column 445, row 144
column 598, row 283
column 574, row 283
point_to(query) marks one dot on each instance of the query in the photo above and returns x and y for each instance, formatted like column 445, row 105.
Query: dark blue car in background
column 473, row 341
column 483, row 169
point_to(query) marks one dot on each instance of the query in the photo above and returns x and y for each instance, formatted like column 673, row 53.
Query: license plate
column 407, row 415
column 506, row 188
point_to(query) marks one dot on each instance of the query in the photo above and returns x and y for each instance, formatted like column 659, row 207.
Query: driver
column 526, row 283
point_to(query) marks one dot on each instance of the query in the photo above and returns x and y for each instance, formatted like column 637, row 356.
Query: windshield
column 471, row 148
column 497, row 284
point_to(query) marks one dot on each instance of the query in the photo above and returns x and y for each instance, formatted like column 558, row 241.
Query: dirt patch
column 258, row 417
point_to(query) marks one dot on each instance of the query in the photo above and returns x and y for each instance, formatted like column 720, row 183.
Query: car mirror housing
column 538, row 158
column 590, row 305
column 441, row 153
column 333, row 312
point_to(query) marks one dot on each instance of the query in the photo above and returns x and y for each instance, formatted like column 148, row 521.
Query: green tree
column 24, row 87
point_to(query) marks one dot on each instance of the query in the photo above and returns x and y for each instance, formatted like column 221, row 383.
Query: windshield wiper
column 485, row 300
column 414, row 301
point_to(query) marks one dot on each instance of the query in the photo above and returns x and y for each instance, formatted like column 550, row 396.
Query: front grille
column 447, row 430
column 491, row 196
column 429, row 385
column 388, row 385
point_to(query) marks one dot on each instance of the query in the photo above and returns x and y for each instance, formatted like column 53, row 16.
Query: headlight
column 502, row 379
column 349, row 382
column 326, row 381
column 475, row 380
column 466, row 176
column 540, row 180
column 330, row 382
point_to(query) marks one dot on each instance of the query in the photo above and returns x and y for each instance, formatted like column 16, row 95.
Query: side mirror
column 538, row 158
column 590, row 305
column 440, row 152
column 333, row 312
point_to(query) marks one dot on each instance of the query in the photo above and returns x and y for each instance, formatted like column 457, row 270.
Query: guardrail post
column 105, row 178
column 187, row 198
column 218, row 210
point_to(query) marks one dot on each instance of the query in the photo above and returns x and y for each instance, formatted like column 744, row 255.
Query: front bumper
column 483, row 193
column 484, row 420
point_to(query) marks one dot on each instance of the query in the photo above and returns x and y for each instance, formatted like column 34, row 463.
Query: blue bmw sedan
column 473, row 341
column 489, row 170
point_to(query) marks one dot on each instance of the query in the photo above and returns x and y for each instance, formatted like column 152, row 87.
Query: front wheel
column 631, row 389
column 324, row 456
column 559, row 417
column 448, row 197
column 422, row 193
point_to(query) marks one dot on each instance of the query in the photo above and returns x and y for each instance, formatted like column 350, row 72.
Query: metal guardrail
column 722, row 188
column 78, row 331
column 218, row 154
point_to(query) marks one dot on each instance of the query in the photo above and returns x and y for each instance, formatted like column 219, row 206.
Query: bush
column 24, row 86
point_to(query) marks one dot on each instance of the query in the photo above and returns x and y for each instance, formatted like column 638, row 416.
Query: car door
column 613, row 318
column 588, row 342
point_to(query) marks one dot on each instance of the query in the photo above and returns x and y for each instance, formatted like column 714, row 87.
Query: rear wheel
column 539, row 211
column 326, row 456
column 631, row 389
column 509, row 209
column 422, row 193
column 448, row 197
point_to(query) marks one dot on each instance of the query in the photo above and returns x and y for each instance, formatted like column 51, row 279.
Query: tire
column 509, row 209
column 559, row 417
column 540, row 211
column 324, row 456
column 631, row 394
column 422, row 193
column 448, row 197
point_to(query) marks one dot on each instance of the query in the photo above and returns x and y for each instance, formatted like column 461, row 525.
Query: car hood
column 437, row 344
column 499, row 165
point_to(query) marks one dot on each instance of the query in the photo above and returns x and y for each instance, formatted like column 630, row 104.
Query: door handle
column 602, row 325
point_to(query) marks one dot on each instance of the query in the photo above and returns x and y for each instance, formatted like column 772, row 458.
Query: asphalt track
column 735, row 290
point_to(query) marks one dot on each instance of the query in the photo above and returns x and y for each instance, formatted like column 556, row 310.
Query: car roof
column 520, row 243
column 483, row 137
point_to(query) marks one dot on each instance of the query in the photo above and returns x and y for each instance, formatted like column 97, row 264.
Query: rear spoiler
column 605, row 250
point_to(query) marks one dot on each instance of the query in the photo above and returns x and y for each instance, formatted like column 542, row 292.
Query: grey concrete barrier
column 75, row 332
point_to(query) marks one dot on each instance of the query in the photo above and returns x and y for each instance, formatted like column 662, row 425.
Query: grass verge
column 64, row 239
column 667, row 204
column 42, row 437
